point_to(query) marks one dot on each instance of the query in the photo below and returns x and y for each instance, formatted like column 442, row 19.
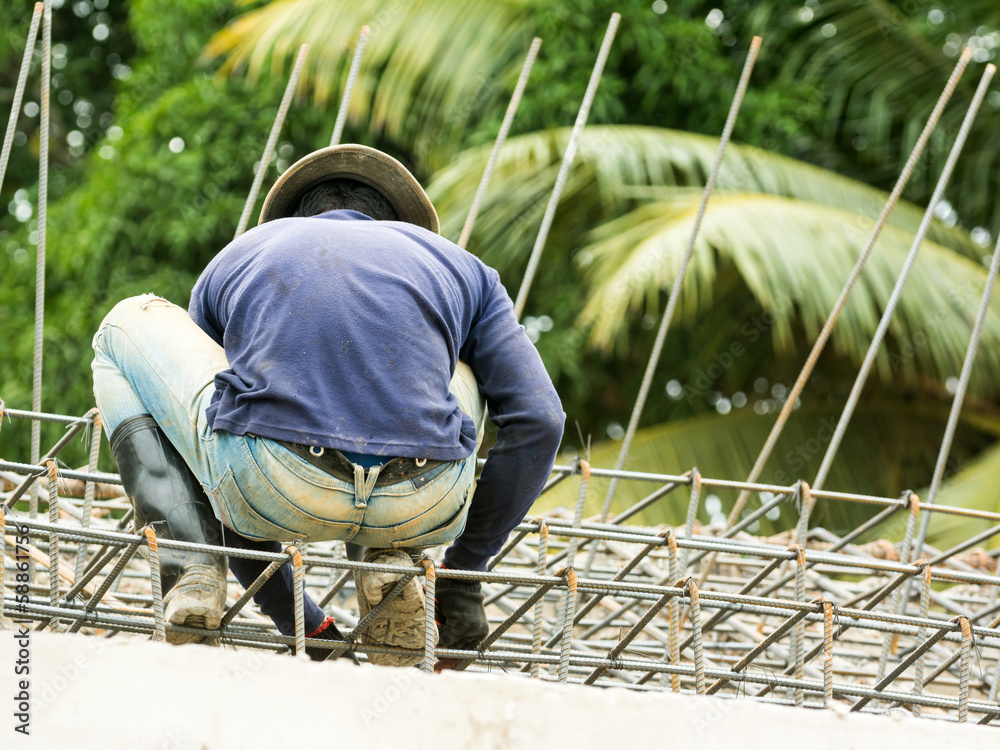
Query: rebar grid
column 805, row 618
column 801, row 618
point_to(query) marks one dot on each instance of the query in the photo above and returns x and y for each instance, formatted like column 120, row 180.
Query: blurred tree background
column 161, row 110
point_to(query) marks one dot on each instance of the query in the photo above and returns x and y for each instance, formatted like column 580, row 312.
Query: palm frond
column 794, row 257
column 618, row 166
column 878, row 67
column 427, row 84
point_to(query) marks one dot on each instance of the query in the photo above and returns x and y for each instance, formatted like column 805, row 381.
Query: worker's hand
column 460, row 614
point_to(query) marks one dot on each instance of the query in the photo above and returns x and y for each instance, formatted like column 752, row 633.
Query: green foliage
column 130, row 214
column 145, row 219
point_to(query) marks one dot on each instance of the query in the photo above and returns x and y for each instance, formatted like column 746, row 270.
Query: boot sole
column 401, row 623
column 197, row 600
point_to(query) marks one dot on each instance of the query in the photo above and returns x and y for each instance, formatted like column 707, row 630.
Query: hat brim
column 354, row 162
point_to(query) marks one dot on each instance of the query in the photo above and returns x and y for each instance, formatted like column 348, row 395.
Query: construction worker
column 328, row 382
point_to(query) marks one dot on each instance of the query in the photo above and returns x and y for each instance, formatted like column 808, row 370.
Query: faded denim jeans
column 151, row 358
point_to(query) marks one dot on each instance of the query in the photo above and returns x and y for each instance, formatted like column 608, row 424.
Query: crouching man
column 328, row 381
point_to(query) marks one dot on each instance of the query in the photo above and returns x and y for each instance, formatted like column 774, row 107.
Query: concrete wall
column 128, row 693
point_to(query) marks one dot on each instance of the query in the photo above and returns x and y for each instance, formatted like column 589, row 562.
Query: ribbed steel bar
column 630, row 636
column 116, row 571
column 963, row 685
column 902, row 667
column 259, row 581
column 430, row 633
column 798, row 632
column 272, row 141
column 299, row 596
column 675, row 291
column 90, row 487
column 827, row 652
column 540, row 569
column 335, row 588
column 567, row 162
column 53, row 478
column 491, row 162
column 820, row 343
column 569, row 605
column 958, row 400
column 159, row 623
column 352, row 77
column 39, row 467
column 644, row 503
column 43, row 212
column 516, row 615
column 760, row 648
column 22, row 79
column 634, row 575
column 897, row 291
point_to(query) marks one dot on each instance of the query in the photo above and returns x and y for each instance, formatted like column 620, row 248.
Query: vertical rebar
column 904, row 273
column 352, row 76
column 300, row 611
column 567, row 162
column 272, row 141
column 799, row 631
column 925, row 597
column 540, row 568
column 153, row 547
column 827, row 653
column 89, row 490
column 805, row 511
column 675, row 291
column 43, row 209
column 699, row 651
column 964, row 669
column 692, row 516
column 956, row 404
column 581, row 500
column 53, row 478
column 22, row 79
column 674, row 612
column 569, row 608
column 900, row 596
column 824, row 334
column 430, row 642
column 111, row 577
column 508, row 118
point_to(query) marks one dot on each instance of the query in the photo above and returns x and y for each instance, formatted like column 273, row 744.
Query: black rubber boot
column 165, row 493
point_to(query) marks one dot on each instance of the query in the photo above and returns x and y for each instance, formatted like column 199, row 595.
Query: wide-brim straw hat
column 354, row 162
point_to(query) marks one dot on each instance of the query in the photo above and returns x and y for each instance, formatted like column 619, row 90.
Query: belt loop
column 360, row 496
column 370, row 482
column 363, row 487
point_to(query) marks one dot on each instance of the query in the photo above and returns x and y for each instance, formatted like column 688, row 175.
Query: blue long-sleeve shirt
column 344, row 332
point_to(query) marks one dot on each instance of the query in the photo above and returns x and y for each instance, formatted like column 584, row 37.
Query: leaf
column 795, row 256
column 429, row 82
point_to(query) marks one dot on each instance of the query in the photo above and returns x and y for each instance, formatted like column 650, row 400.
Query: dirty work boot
column 163, row 491
column 401, row 623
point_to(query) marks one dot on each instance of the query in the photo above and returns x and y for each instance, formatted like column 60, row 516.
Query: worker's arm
column 524, row 405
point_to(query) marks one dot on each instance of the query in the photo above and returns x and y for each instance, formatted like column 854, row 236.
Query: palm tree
column 778, row 240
